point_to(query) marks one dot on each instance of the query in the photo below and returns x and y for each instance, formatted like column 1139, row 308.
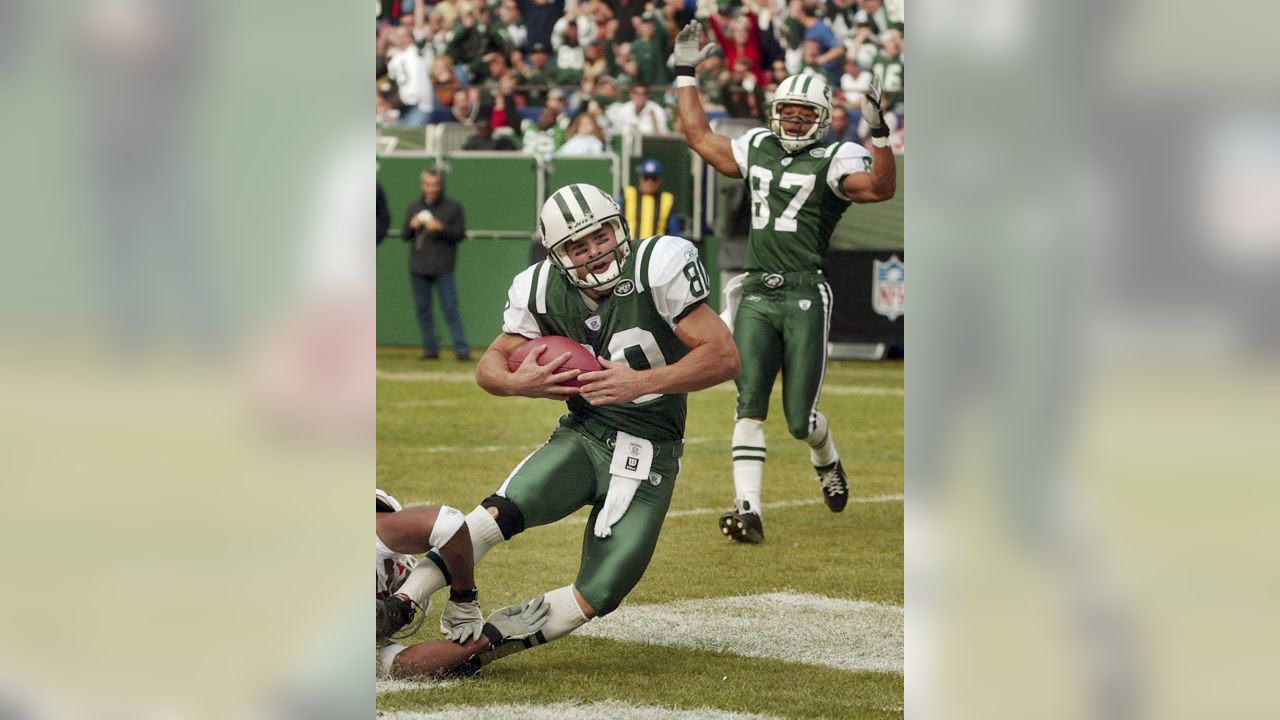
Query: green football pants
column 571, row 471
column 783, row 329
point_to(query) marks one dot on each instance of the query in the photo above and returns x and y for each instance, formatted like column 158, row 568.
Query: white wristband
column 686, row 81
column 880, row 142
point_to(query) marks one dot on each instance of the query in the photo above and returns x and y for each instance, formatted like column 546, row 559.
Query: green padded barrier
column 498, row 191
column 674, row 154
column 400, row 180
column 598, row 170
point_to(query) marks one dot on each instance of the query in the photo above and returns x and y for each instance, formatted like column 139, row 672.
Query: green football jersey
column 796, row 199
column 662, row 281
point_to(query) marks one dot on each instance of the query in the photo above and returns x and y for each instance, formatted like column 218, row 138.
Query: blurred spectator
column 511, row 27
column 544, row 136
column 582, row 23
column 811, row 62
column 840, row 130
column 830, row 50
column 466, row 106
column 537, row 75
column 540, row 17
column 627, row 13
column 888, row 67
column 382, row 215
column 570, row 55
column 621, row 63
column 648, row 209
column 853, row 83
column 639, row 112
column 711, row 80
column 444, row 80
column 777, row 73
column 741, row 94
column 406, row 67
column 594, row 63
column 742, row 39
column 871, row 13
column 483, row 139
column 842, row 17
column 474, row 37
column 434, row 225
column 585, row 137
column 650, row 51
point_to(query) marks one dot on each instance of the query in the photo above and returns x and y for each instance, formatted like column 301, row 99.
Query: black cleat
column 393, row 614
column 835, row 486
column 745, row 527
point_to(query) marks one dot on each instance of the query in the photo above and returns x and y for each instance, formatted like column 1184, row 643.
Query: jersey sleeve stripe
column 685, row 312
column 642, row 264
column 533, row 286
column 540, row 286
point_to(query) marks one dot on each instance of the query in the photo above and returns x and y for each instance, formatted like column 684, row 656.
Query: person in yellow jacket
column 648, row 209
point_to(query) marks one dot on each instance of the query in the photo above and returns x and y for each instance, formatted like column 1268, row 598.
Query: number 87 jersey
column 796, row 200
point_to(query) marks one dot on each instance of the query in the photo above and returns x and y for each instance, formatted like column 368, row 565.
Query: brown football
column 581, row 357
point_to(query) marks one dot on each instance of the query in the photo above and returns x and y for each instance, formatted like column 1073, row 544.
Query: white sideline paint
column 574, row 711
column 811, row 629
column 391, row 686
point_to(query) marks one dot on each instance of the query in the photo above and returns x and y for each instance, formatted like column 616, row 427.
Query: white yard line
column 845, row 634
column 392, row 686
column 574, row 711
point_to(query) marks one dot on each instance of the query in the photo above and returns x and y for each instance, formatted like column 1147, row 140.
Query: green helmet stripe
column 564, row 206
column 804, row 89
column 582, row 201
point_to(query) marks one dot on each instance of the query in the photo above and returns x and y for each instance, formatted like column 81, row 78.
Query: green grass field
column 807, row 625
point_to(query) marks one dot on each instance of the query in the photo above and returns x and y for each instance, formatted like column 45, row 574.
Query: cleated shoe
column 742, row 527
column 393, row 614
column 835, row 486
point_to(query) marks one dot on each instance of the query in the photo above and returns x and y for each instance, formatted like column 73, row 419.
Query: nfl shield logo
column 888, row 288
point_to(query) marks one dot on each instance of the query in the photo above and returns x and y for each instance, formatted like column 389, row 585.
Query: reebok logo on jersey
column 654, row 478
column 593, row 323
column 804, row 304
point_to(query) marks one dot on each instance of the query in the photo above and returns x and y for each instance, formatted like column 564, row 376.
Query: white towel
column 731, row 296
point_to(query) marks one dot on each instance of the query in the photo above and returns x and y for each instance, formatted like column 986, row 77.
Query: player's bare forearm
column 530, row 380
column 460, row 559
column 436, row 658
column 876, row 186
column 716, row 150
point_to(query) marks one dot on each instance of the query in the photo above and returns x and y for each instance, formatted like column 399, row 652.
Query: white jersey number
column 647, row 343
column 762, row 179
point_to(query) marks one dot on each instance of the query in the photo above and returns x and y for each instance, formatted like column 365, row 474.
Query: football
column 582, row 358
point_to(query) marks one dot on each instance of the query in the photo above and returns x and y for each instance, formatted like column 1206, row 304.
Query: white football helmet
column 811, row 91
column 575, row 211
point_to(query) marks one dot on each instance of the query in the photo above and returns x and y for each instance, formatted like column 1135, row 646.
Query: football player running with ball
column 799, row 189
column 640, row 305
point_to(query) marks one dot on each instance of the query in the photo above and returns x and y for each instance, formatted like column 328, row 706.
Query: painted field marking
column 852, row 635
column 574, row 711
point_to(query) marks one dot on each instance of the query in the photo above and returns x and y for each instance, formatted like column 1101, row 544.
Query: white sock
column 822, row 449
column 426, row 578
column 748, row 463
column 564, row 617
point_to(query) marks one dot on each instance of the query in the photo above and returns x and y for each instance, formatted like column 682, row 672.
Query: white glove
column 462, row 621
column 871, row 109
column 518, row 622
column 686, row 53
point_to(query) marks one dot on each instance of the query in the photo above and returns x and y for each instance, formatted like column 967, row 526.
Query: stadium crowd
column 554, row 76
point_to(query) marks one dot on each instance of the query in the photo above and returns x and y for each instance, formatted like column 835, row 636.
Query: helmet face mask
column 809, row 91
column 577, row 212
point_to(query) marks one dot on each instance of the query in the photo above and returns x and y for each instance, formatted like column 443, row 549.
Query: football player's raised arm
column 879, row 184
column 717, row 150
